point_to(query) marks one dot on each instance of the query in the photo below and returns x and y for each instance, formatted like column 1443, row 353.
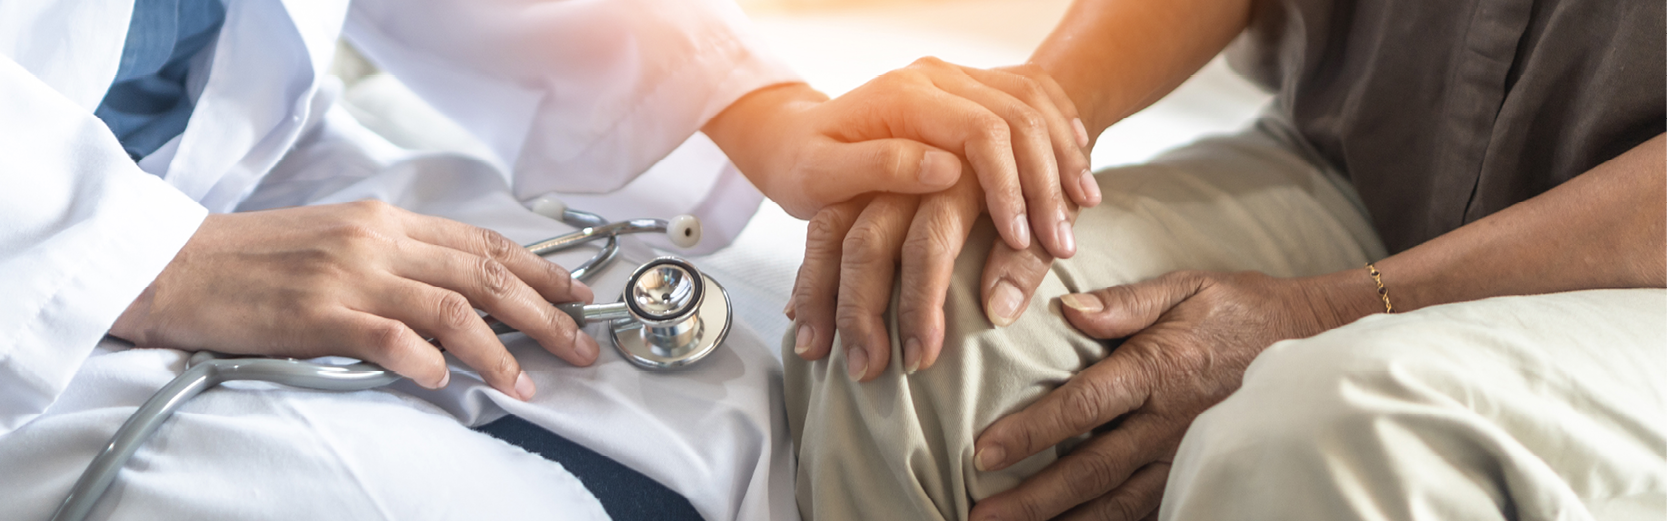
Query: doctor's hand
column 1189, row 337
column 907, row 132
column 852, row 255
column 364, row 280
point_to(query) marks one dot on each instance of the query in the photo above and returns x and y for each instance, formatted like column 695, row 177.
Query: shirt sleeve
column 572, row 96
column 82, row 232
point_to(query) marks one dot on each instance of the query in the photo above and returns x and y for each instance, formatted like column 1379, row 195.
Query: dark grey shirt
column 1444, row 111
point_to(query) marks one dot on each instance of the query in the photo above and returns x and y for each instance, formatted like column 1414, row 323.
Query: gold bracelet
column 1383, row 292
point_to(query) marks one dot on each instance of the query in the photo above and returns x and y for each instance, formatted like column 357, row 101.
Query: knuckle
column 357, row 232
column 850, row 316
column 1090, row 475
column 1031, row 508
column 495, row 245
column 992, row 127
column 1122, row 507
column 930, row 245
column 384, row 337
column 905, row 76
column 896, row 160
column 375, row 211
column 505, row 365
column 1172, row 358
column 1186, row 277
column 369, row 207
column 865, row 244
column 1119, row 296
column 454, row 312
column 1030, row 121
column 1030, row 89
column 1084, row 401
column 825, row 230
column 930, row 61
column 494, row 279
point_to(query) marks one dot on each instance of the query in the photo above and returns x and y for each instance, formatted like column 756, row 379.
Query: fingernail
column 444, row 379
column 988, row 458
column 1021, row 231
column 1091, row 187
column 1082, row 302
column 524, row 386
column 585, row 347
column 856, row 361
column 1082, row 132
column 788, row 311
column 939, row 168
column 911, row 356
column 1004, row 303
column 1067, row 239
column 801, row 339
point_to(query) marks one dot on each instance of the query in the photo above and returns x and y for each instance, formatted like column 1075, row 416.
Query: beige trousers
column 1532, row 407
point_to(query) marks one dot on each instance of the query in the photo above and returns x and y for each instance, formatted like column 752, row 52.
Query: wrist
column 749, row 129
column 130, row 326
column 1343, row 297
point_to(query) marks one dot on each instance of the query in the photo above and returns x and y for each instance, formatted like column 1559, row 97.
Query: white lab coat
column 576, row 96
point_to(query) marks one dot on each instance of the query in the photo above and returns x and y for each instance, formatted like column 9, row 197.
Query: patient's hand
column 846, row 279
column 1190, row 336
column 850, row 266
column 364, row 280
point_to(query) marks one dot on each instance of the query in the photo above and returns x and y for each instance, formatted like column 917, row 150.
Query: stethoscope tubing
column 589, row 222
column 204, row 371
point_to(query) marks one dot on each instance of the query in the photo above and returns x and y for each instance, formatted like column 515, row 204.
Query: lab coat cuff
column 82, row 279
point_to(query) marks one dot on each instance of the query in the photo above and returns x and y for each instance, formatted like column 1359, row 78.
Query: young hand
column 364, row 280
column 907, row 132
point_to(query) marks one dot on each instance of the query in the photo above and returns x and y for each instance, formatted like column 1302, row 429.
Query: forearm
column 1115, row 57
column 1606, row 228
column 744, row 125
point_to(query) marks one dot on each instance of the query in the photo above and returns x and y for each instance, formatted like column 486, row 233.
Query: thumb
column 1121, row 311
column 881, row 165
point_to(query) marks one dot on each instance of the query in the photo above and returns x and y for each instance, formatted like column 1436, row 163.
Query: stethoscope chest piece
column 681, row 315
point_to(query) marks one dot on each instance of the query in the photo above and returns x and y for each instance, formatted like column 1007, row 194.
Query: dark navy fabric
column 626, row 494
column 147, row 105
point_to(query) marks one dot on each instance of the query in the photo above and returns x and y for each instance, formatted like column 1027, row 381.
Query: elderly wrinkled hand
column 1189, row 337
column 853, row 249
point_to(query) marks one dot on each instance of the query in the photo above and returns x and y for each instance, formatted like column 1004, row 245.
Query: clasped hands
column 883, row 175
column 1188, row 336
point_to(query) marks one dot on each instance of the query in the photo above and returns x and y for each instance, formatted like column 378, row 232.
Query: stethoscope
column 669, row 316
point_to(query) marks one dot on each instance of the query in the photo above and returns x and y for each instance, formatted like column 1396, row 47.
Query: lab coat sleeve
column 82, row 232
column 576, row 96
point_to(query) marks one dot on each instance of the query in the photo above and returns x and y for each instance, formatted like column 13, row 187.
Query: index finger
column 549, row 279
column 1097, row 468
column 1093, row 397
column 1070, row 138
column 815, row 289
column 935, row 238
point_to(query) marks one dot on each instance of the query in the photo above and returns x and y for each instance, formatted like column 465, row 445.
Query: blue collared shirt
column 148, row 104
